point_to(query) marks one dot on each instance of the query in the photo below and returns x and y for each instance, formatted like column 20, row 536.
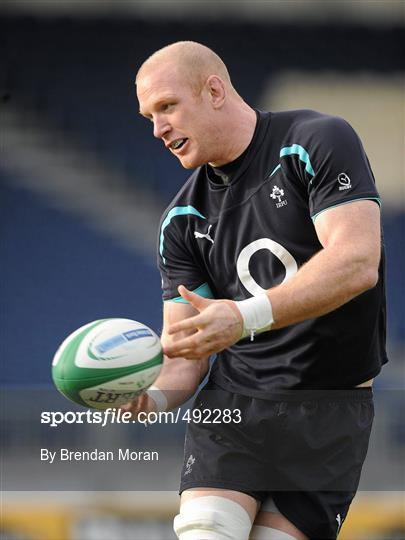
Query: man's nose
column 160, row 127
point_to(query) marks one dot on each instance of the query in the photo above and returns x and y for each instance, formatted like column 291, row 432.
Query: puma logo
column 206, row 235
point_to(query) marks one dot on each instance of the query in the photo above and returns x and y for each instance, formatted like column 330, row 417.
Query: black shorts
column 305, row 449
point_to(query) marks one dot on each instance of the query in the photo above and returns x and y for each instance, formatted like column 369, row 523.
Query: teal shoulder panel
column 176, row 211
column 302, row 154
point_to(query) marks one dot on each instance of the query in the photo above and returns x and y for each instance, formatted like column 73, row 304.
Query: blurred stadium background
column 82, row 186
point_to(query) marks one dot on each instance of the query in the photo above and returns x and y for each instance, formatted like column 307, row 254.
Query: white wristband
column 257, row 315
column 158, row 397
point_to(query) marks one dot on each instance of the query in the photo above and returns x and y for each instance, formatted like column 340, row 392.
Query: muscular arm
column 346, row 266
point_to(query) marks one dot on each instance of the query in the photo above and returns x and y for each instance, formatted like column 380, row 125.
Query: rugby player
column 271, row 258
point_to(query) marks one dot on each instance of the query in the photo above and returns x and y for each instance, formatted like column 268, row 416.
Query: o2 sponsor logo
column 279, row 251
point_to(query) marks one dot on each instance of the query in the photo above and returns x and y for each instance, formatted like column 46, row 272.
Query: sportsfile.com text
column 118, row 416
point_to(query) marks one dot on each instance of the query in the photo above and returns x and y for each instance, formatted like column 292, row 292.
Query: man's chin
column 190, row 163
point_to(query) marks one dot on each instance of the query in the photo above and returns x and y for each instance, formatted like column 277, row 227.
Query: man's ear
column 216, row 89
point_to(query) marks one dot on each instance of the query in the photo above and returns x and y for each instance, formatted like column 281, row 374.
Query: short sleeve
column 178, row 264
column 340, row 171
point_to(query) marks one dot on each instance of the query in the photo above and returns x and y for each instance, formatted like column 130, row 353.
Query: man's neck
column 239, row 134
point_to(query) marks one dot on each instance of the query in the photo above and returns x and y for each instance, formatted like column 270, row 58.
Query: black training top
column 236, row 231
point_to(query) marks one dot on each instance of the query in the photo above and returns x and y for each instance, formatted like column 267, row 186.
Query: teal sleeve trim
column 203, row 290
column 376, row 199
column 275, row 170
column 176, row 211
column 302, row 154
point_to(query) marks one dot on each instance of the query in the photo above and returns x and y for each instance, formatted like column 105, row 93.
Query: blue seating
column 79, row 76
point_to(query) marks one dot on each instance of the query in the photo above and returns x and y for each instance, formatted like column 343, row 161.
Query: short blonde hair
column 194, row 61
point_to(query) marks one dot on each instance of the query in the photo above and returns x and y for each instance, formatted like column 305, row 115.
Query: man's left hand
column 218, row 325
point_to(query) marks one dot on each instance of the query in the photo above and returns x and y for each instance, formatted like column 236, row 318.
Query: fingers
column 198, row 346
column 197, row 301
column 175, row 349
column 193, row 353
column 136, row 406
column 192, row 324
column 215, row 328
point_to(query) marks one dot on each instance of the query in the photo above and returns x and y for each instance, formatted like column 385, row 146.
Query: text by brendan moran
column 64, row 454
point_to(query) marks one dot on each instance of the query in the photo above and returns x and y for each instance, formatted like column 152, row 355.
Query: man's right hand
column 143, row 403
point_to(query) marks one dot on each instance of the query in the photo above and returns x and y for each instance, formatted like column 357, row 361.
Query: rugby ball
column 107, row 363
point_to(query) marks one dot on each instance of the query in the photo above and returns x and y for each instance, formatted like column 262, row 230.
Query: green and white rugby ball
column 107, row 363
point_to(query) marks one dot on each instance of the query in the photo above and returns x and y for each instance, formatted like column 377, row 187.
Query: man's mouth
column 177, row 144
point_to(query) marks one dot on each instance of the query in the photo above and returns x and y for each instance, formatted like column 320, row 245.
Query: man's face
column 181, row 119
